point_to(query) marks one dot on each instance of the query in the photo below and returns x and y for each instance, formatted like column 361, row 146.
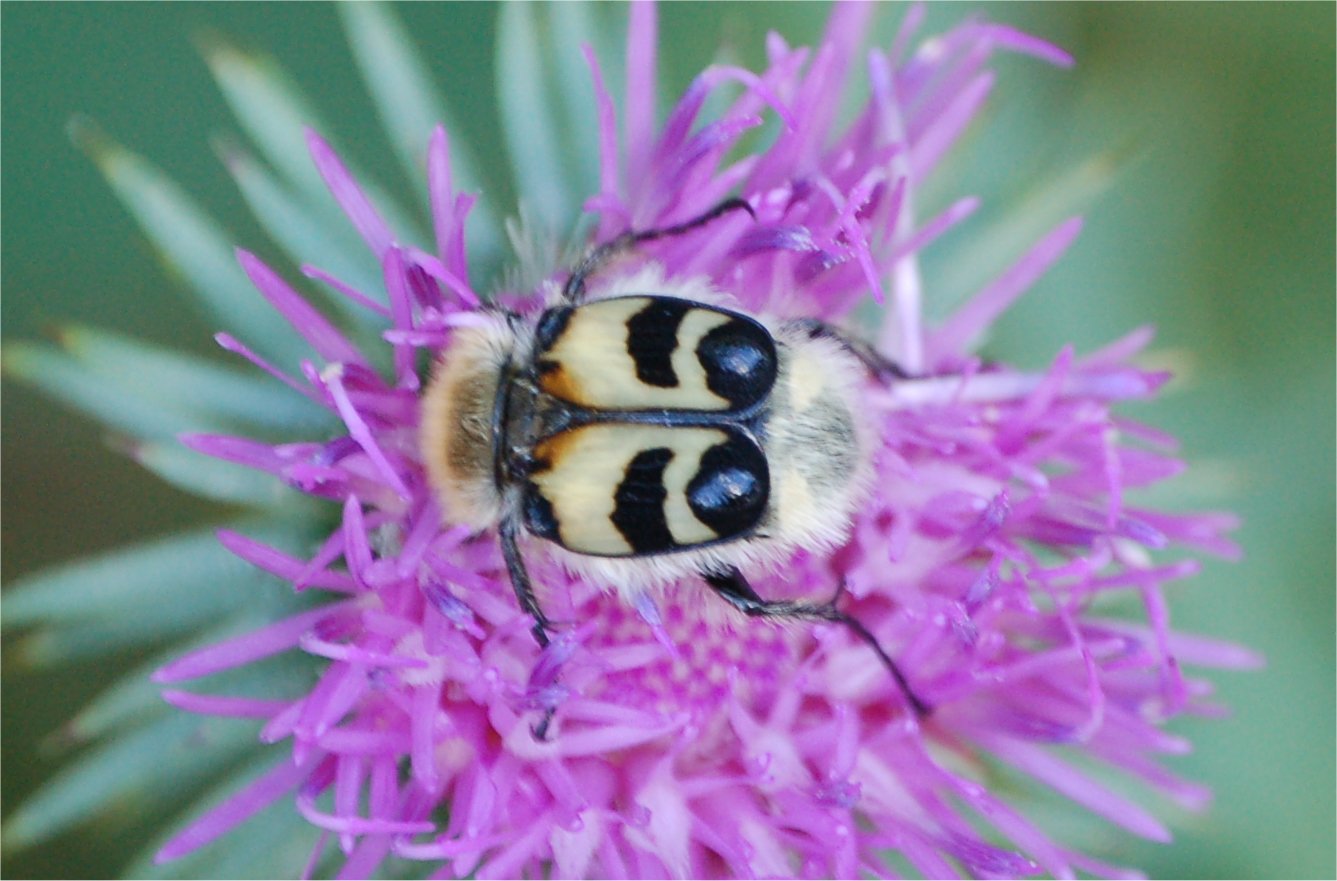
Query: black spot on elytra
column 730, row 490
column 652, row 337
column 539, row 516
column 550, row 327
column 739, row 360
column 639, row 510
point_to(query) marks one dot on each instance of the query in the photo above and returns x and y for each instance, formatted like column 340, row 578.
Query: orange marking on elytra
column 554, row 380
column 550, row 451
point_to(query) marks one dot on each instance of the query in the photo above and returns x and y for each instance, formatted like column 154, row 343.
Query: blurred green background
column 1218, row 226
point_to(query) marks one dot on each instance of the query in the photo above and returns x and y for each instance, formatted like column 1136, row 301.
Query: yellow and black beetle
column 650, row 434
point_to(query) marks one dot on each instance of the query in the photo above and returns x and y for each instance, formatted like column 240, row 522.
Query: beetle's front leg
column 524, row 594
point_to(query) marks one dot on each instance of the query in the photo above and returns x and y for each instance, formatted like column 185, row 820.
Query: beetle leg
column 734, row 588
column 574, row 289
column 524, row 588
column 524, row 593
column 880, row 366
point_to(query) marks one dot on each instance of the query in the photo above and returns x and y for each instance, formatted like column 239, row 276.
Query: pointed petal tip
column 1060, row 57
column 195, row 440
column 1155, row 380
column 230, row 539
column 172, row 850
column 319, row 147
column 173, row 696
column 228, row 343
column 1247, row 659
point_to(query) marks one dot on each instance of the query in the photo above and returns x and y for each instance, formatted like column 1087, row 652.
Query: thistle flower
column 994, row 560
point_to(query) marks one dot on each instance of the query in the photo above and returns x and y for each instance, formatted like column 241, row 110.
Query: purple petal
column 615, row 211
column 323, row 336
column 361, row 432
column 231, row 344
column 914, row 18
column 1205, row 652
column 1019, row 41
column 773, row 238
column 357, row 547
column 608, row 739
column 347, row 290
column 312, row 644
column 366, row 857
column 1076, row 785
column 313, row 861
column 517, row 852
column 244, row 649
column 423, row 531
column 984, row 308
column 755, row 85
column 353, row 825
column 949, row 125
column 642, row 90
column 441, row 190
column 439, row 271
column 422, row 755
column 337, row 692
column 349, row 195
column 244, row 804
column 401, row 309
column 941, row 223
column 457, row 260
column 222, row 705
column 245, row 451
column 284, row 566
column 329, row 551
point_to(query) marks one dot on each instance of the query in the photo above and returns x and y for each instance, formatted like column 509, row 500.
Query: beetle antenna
column 574, row 289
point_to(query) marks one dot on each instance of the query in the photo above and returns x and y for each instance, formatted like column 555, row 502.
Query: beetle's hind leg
column 573, row 292
column 524, row 594
column 734, row 588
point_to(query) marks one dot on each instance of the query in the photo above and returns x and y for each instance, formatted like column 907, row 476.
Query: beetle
column 648, row 433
